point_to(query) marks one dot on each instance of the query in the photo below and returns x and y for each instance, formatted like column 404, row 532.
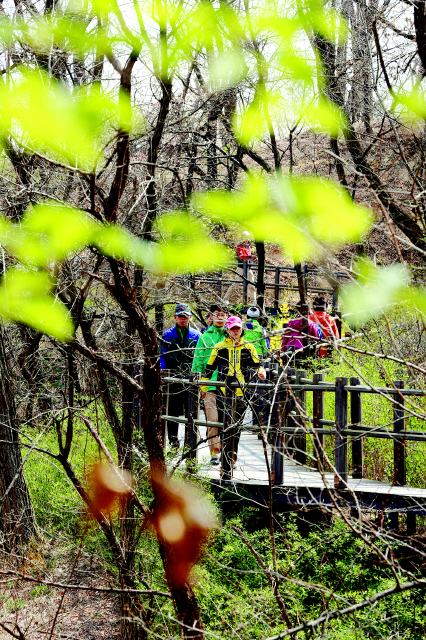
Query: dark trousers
column 178, row 406
column 231, row 435
column 260, row 404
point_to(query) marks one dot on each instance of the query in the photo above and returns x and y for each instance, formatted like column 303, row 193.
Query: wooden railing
column 289, row 424
column 220, row 280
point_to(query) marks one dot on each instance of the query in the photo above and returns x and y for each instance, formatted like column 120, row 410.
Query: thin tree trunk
column 151, row 398
column 260, row 285
column 17, row 521
column 304, row 303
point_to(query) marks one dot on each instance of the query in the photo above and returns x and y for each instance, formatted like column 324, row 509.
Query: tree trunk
column 17, row 521
column 184, row 598
column 401, row 218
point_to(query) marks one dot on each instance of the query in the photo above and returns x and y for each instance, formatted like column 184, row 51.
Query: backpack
column 243, row 252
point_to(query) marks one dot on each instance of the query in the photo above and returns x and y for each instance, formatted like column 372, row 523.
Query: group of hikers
column 229, row 346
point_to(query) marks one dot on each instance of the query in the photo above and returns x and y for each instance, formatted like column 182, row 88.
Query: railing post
column 357, row 441
column 340, row 439
column 191, row 429
column 277, row 453
column 399, row 444
column 228, row 430
column 399, row 457
column 300, row 440
column 166, row 394
column 318, row 414
column 245, row 274
column 288, row 417
column 277, row 288
column 305, row 276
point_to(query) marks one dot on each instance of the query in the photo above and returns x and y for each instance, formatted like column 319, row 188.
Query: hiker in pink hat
column 237, row 358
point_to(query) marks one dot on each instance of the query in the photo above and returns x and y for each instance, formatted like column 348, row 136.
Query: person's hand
column 262, row 375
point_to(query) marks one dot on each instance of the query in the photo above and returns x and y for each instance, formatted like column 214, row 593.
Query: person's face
column 219, row 318
column 235, row 333
column 182, row 321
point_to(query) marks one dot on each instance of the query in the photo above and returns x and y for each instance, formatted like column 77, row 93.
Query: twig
column 60, row 585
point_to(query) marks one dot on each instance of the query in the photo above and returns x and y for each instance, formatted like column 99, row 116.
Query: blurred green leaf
column 284, row 229
column 26, row 296
column 235, row 205
column 415, row 297
column 250, row 125
column 112, row 240
column 284, row 26
column 228, row 69
column 376, row 289
column 325, row 117
column 296, row 213
column 201, row 28
column 186, row 246
column 296, row 64
column 76, row 121
column 327, row 22
column 328, row 211
column 414, row 102
column 49, row 232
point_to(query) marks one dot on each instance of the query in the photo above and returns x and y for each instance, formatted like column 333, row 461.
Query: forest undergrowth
column 322, row 563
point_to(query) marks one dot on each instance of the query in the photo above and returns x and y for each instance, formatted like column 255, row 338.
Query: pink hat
column 233, row 321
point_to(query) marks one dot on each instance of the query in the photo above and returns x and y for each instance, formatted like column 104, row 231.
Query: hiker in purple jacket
column 292, row 343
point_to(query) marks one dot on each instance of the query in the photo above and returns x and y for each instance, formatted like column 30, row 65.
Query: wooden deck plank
column 251, row 470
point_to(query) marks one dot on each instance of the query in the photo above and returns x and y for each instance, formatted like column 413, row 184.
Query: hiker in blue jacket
column 177, row 350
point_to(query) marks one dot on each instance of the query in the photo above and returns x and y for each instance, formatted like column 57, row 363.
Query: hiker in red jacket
column 244, row 254
column 330, row 332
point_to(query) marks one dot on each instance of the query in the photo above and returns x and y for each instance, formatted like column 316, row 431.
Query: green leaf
column 26, row 297
column 284, row 229
column 376, row 289
column 328, row 210
column 328, row 23
column 250, row 125
column 49, row 232
column 228, row 69
column 186, row 246
column 415, row 297
column 284, row 26
column 232, row 205
column 76, row 121
column 325, row 117
column 296, row 213
column 112, row 240
column 414, row 102
column 296, row 64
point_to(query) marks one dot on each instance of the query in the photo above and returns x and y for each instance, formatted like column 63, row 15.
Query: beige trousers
column 212, row 416
column 251, row 291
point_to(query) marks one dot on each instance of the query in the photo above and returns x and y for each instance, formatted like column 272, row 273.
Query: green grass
column 331, row 567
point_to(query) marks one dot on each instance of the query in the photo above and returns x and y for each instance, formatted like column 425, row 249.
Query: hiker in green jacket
column 256, row 334
column 213, row 401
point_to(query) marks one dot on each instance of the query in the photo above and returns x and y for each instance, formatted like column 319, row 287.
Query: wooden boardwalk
column 303, row 485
